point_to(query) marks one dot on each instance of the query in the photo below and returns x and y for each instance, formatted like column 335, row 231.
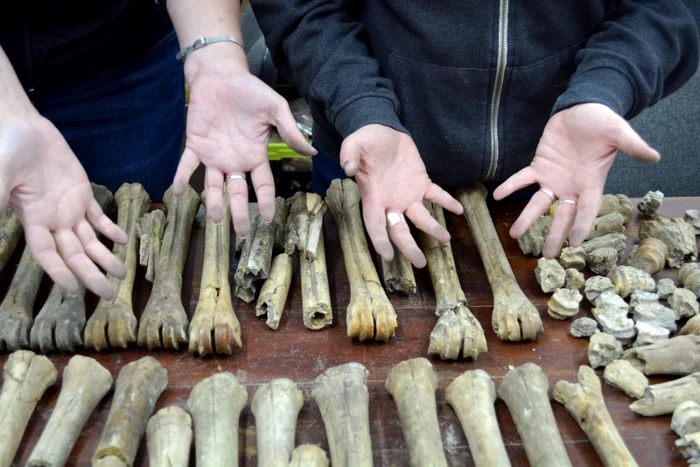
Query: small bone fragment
column 17, row 308
column 648, row 334
column 663, row 398
column 575, row 280
column 472, row 396
column 665, row 288
column 85, row 383
column 655, row 314
column 640, row 297
column 686, row 419
column 573, row 257
column 524, row 390
column 616, row 241
column 689, row 276
column 550, row 275
column 677, row 356
column 689, row 447
column 315, row 294
column 309, row 455
column 627, row 279
column 584, row 327
column 514, row 317
column 370, row 314
column 597, row 285
column 169, row 438
column 281, row 216
column 584, row 402
column 621, row 375
column 692, row 217
column 304, row 224
column 10, row 231
column 532, row 241
column 164, row 320
column 113, row 323
column 273, row 295
column 564, row 303
column 626, row 207
column 457, row 331
column 602, row 261
column 276, row 406
column 684, row 303
column 650, row 203
column 616, row 203
column 611, row 300
column 26, row 376
column 678, row 235
column 215, row 405
column 607, row 224
column 603, row 349
column 613, row 318
column 398, row 274
column 650, row 257
column 150, row 229
column 245, row 287
column 343, row 398
column 138, row 387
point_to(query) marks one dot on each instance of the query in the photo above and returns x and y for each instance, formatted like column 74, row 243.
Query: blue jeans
column 126, row 124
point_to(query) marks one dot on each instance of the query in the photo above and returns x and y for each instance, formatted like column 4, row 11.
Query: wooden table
column 297, row 353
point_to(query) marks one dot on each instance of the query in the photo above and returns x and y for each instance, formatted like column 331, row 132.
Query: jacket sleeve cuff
column 604, row 85
column 365, row 110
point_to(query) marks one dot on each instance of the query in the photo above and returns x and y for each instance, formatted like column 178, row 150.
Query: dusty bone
column 398, row 274
column 564, row 303
column 611, row 313
column 677, row 356
column 686, row 419
column 611, row 300
column 663, row 398
column 457, row 331
column 138, row 387
column 514, row 317
column 650, row 257
column 164, row 320
column 472, row 396
column 573, row 257
column 524, row 390
column 648, row 334
column 343, row 398
column 689, row 447
column 532, row 241
column 626, row 207
column 603, row 349
column 607, row 224
column 370, row 314
column 627, row 279
column 215, row 327
column 309, row 455
column 25, row 378
column 550, row 275
column 584, row 402
column 85, row 383
column 281, row 215
column 315, row 293
column 650, row 203
column 684, row 303
column 273, row 294
column 304, row 224
column 412, row 385
column 678, row 235
column 10, row 232
column 113, row 323
column 621, row 375
column 689, row 276
column 655, row 314
column 616, row 203
column 616, row 241
column 575, row 280
column 584, row 327
column 692, row 217
column 597, row 285
column 169, row 438
column 640, row 297
column 215, row 405
column 150, row 229
column 665, row 288
column 603, row 260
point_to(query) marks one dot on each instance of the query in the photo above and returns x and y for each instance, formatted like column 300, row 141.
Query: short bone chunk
column 550, row 275
column 678, row 235
column 309, row 455
column 573, row 258
column 686, row 419
column 689, row 446
column 564, row 303
column 273, row 294
column 690, row 277
column 684, row 303
column 603, row 349
column 650, row 257
column 398, row 274
column 169, row 437
column 627, row 279
column 621, row 375
column 650, row 203
column 692, row 217
column 607, row 224
column 677, row 356
column 315, row 294
column 616, row 241
column 663, row 398
column 10, row 232
column 532, row 241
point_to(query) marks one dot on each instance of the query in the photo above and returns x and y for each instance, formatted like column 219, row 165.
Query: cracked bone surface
column 627, row 279
column 315, row 293
column 607, row 224
column 686, row 418
column 524, row 390
column 692, row 217
column 678, row 235
column 650, row 203
column 370, row 314
column 309, row 455
column 603, row 260
column 603, row 349
column 10, row 232
column 113, row 323
column 616, row 203
column 663, row 398
column 25, row 378
column 684, row 303
column 138, row 387
column 215, row 405
column 689, row 276
column 164, row 320
column 514, row 317
column 621, row 375
column 273, row 294
column 650, row 257
column 85, row 383
column 573, row 257
column 677, row 356
column 689, row 447
column 575, row 280
column 616, row 241
column 472, row 396
column 584, row 402
column 550, row 275
column 564, row 303
column 215, row 327
column 17, row 308
column 150, row 229
column 169, row 438
column 412, row 385
column 398, row 274
column 532, row 241
column 304, row 224
column 276, row 406
column 342, row 396
column 457, row 331
column 584, row 327
column 595, row 286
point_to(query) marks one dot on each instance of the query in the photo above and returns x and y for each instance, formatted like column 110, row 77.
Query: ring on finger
column 393, row 218
column 567, row 201
column 549, row 193
column 232, row 177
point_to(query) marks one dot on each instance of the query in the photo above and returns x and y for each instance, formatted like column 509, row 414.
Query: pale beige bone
column 617, row 241
column 573, row 257
column 398, row 274
column 113, row 323
column 215, row 405
column 524, row 390
column 151, row 228
column 169, row 438
column 686, row 418
column 309, row 455
column 26, row 376
column 603, row 260
column 663, row 398
column 689, row 276
column 607, row 224
column 650, row 203
column 343, row 398
column 621, row 375
column 370, row 314
column 10, row 232
column 678, row 235
column 627, row 279
column 273, row 295
column 689, row 447
column 472, row 396
column 677, row 356
column 650, row 257
column 315, row 294
column 584, row 402
column 304, row 224
column 138, row 387
column 17, row 308
column 692, row 217
column 276, row 406
column 616, row 203
column 532, row 241
column 564, row 303
column 626, row 207
column 514, row 317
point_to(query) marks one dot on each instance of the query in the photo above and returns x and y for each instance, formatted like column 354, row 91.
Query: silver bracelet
column 203, row 42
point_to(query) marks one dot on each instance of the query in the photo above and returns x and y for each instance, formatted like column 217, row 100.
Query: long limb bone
column 370, row 314
column 273, row 294
column 584, row 402
column 276, row 406
column 663, row 398
column 514, row 317
column 10, row 231
column 245, row 282
column 169, row 437
column 315, row 294
column 677, row 356
column 398, row 274
column 164, row 320
column 304, row 224
column 309, row 455
column 150, row 229
column 85, row 383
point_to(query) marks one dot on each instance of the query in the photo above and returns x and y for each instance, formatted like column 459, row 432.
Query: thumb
column 350, row 157
column 288, row 130
column 628, row 141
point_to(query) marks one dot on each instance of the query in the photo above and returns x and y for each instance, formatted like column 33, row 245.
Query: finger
column 288, row 130
column 97, row 251
column 264, row 184
column 189, row 161
column 515, row 182
column 43, row 249
column 214, row 185
column 103, row 224
column 72, row 252
column 350, row 157
column 442, row 198
column 375, row 223
column 401, row 236
column 629, row 142
column 422, row 219
column 238, row 202
column 4, row 200
column 538, row 205
column 587, row 210
column 563, row 220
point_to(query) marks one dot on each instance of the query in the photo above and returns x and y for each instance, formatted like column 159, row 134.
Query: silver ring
column 234, row 177
column 549, row 193
column 393, row 218
column 567, row 201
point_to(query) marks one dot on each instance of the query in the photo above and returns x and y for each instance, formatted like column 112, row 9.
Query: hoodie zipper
column 498, row 85
column 28, row 51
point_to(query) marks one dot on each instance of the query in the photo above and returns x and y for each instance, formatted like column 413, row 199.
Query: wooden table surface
column 299, row 354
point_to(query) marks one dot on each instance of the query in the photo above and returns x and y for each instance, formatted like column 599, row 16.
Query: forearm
column 14, row 102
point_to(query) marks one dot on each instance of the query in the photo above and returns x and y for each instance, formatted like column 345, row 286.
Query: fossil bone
column 10, row 232
column 169, row 438
column 626, row 207
column 689, row 447
column 85, row 383
column 621, row 375
column 315, row 294
column 17, row 308
column 655, row 314
column 692, row 217
column 627, row 279
column 686, row 419
column 573, row 257
column 309, row 455
column 689, row 276
column 564, row 303
column 584, row 402
column 650, row 257
column 370, row 314
column 532, row 241
column 665, row 288
column 584, row 327
column 684, row 303
column 612, row 317
column 650, row 203
column 273, row 294
column 280, row 219
column 575, row 280
column 472, row 396
column 514, row 317
column 663, row 398
column 603, row 260
column 304, row 224
column 616, row 241
column 616, row 203
column 150, row 229
column 639, row 297
column 677, row 356
column 607, row 224
column 597, row 285
column 648, row 334
column 678, row 235
column 550, row 275
column 398, row 274
column 603, row 349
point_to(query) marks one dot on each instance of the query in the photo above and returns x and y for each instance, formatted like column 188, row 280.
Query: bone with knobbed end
column 113, row 323
column 276, row 406
column 315, row 294
column 584, row 402
column 398, row 274
column 663, row 398
column 627, row 279
column 689, row 276
column 650, row 203
column 215, row 327
column 304, row 224
column 457, row 332
column 607, row 224
column 26, row 376
column 215, row 405
column 650, row 257
column 472, row 396
column 617, row 241
column 370, row 314
column 164, row 320
column 138, row 387
column 412, row 385
column 309, row 455
column 150, row 229
column 342, row 396
column 678, row 235
column 532, row 241
column 273, row 294
column 10, row 232
column 621, row 375
column 85, row 383
column 692, row 217
column 686, row 418
column 169, row 438
column 677, row 356
column 524, row 390
column 514, row 317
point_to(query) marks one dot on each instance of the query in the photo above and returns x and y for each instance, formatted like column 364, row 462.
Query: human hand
column 575, row 153
column 392, row 179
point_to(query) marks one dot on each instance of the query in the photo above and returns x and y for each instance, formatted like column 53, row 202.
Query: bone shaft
column 169, row 435
column 10, row 231
column 663, row 398
column 130, row 210
column 317, row 209
column 217, row 248
column 606, row 440
column 276, row 409
column 273, row 294
column 176, row 240
column 398, row 274
column 315, row 294
column 25, row 283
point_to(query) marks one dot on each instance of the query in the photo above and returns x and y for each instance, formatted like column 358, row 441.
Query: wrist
column 217, row 58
